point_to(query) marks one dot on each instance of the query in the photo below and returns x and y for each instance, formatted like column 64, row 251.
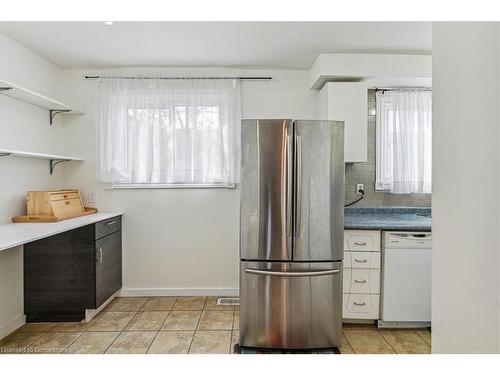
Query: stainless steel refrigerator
column 291, row 233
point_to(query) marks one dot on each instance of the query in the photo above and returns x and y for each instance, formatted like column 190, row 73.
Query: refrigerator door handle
column 292, row 273
column 298, row 182
column 289, row 182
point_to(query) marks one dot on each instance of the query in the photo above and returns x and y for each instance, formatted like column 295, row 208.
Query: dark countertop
column 388, row 218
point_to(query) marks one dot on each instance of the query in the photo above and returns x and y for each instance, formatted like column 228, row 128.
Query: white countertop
column 15, row 234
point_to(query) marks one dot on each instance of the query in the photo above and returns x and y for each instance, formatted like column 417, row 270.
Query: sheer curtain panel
column 404, row 141
column 168, row 132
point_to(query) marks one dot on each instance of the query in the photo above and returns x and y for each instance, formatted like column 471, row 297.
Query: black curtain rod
column 250, row 78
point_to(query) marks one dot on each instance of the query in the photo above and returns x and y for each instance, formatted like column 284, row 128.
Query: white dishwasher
column 406, row 279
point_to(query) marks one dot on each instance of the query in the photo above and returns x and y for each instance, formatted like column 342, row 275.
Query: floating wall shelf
column 55, row 107
column 53, row 159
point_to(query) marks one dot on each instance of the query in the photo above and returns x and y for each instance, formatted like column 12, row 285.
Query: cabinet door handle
column 99, row 253
column 360, row 281
column 111, row 222
column 68, row 202
column 360, row 243
column 361, row 260
column 360, row 304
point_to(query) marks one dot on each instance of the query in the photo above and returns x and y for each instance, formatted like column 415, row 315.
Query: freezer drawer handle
column 360, row 304
column 360, row 281
column 360, row 243
column 291, row 274
column 361, row 260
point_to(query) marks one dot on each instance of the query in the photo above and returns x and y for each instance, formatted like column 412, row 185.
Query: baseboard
column 12, row 326
column 159, row 292
column 385, row 324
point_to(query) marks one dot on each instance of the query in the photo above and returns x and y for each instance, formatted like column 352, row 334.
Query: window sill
column 169, row 186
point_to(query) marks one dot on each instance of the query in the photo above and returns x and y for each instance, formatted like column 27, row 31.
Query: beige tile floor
column 162, row 325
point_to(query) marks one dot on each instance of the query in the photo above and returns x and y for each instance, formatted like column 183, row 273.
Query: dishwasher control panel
column 407, row 240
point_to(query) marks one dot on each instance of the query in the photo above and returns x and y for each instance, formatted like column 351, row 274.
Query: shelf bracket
column 2, row 154
column 54, row 112
column 54, row 162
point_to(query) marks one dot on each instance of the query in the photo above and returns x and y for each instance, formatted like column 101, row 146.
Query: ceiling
column 293, row 45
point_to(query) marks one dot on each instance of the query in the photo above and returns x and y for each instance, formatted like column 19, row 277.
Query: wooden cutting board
column 50, row 218
column 49, row 206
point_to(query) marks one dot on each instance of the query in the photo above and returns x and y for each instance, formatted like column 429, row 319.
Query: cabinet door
column 108, row 257
column 59, row 276
column 348, row 102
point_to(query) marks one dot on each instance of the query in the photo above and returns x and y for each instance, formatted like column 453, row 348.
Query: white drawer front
column 362, row 240
column 361, row 259
column 361, row 306
column 361, row 281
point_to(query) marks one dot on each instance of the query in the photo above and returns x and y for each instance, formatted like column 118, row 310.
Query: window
column 404, row 141
column 169, row 134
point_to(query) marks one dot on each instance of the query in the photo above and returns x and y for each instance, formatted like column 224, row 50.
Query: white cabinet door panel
column 348, row 102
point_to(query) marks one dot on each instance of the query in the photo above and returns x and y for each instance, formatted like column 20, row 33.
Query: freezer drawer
column 290, row 305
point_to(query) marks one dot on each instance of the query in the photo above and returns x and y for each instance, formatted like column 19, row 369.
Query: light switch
column 91, row 196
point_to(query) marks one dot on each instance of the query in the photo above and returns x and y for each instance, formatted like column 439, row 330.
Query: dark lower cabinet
column 108, row 275
column 72, row 271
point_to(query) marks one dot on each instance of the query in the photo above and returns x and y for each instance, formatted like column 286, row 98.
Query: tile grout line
column 383, row 337
column 232, row 332
column 120, row 332
column 45, row 333
column 421, row 338
column 80, row 333
column 159, row 330
column 426, row 343
column 34, row 342
column 352, row 347
column 196, row 329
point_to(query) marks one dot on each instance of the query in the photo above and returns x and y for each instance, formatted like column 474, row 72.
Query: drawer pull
column 65, row 196
column 360, row 304
column 361, row 260
column 360, row 281
column 360, row 243
column 68, row 202
column 99, row 253
column 111, row 222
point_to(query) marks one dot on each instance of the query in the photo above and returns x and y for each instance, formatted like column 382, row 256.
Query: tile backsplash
column 364, row 173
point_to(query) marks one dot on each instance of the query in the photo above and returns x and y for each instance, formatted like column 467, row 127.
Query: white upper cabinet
column 348, row 102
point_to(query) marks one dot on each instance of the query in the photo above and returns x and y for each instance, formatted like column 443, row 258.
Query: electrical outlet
column 360, row 188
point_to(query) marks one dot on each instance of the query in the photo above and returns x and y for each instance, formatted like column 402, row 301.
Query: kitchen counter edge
column 17, row 234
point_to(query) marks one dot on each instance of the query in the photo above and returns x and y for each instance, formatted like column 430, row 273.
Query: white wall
column 23, row 127
column 465, row 200
column 179, row 241
column 175, row 241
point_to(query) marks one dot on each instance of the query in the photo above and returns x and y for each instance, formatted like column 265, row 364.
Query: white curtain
column 168, row 131
column 404, row 141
